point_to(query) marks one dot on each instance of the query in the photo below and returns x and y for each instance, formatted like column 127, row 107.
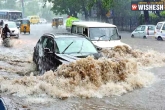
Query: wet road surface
column 149, row 98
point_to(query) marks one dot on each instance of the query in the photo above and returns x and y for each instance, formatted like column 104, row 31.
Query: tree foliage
column 73, row 7
column 32, row 8
column 70, row 7
column 8, row 4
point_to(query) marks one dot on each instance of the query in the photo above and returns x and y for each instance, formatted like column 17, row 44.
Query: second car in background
column 160, row 31
column 43, row 21
column 143, row 31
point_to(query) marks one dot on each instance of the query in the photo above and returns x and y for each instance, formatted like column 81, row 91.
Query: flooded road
column 29, row 92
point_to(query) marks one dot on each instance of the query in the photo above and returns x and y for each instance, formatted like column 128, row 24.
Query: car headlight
column 16, row 31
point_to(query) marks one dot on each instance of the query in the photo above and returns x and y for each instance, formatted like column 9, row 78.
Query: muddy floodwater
column 124, row 79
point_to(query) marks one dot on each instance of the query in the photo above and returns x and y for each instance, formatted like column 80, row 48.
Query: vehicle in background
column 13, row 28
column 160, row 31
column 69, row 22
column 103, row 35
column 57, row 21
column 18, row 23
column 10, row 15
column 43, row 21
column 24, row 25
column 34, row 19
column 61, row 21
column 53, row 50
column 143, row 31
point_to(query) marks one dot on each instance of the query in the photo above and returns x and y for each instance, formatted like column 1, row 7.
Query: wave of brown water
column 121, row 70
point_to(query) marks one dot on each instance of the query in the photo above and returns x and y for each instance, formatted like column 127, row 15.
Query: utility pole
column 23, row 14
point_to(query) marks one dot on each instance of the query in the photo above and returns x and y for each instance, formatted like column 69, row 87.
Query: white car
column 43, row 21
column 143, row 31
column 160, row 31
column 103, row 35
column 13, row 28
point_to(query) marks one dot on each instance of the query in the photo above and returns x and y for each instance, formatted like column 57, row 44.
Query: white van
column 103, row 35
column 160, row 31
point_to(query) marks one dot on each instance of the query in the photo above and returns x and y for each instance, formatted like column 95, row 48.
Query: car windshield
column 76, row 45
column 103, row 33
column 12, row 25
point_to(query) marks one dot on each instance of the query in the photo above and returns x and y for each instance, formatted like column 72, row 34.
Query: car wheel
column 18, row 36
column 132, row 36
column 144, row 37
column 160, row 38
column 40, row 66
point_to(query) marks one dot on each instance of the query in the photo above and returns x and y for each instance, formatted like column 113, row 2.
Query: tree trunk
column 146, row 14
column 84, row 9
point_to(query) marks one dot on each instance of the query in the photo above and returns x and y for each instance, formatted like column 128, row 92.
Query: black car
column 53, row 50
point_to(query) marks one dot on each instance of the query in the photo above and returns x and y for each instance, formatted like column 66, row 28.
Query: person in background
column 1, row 26
column 5, row 30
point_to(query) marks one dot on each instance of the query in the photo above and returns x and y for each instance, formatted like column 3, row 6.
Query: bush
column 162, row 14
column 153, row 19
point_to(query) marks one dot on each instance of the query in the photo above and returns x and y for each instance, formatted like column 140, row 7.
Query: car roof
column 8, row 22
column 148, row 25
column 161, row 22
column 65, row 35
column 93, row 24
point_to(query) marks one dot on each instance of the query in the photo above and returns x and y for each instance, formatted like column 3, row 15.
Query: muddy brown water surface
column 127, row 80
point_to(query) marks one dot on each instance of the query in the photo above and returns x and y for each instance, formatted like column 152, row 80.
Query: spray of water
column 121, row 70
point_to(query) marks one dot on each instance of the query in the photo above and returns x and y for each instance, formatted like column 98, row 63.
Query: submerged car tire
column 40, row 66
column 17, row 36
column 160, row 38
column 132, row 36
column 144, row 37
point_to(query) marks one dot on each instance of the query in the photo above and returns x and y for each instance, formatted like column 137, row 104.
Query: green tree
column 10, row 4
column 32, row 8
column 46, row 13
column 73, row 7
column 70, row 7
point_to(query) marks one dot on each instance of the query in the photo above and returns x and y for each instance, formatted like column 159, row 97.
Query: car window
column 79, row 30
column 159, row 25
column 85, row 31
column 81, row 45
column 143, row 28
column 138, row 28
column 11, row 25
column 151, row 27
column 163, row 28
column 103, row 33
column 44, row 42
column 73, row 30
column 50, row 44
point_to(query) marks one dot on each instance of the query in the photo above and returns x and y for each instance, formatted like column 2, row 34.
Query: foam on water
column 121, row 70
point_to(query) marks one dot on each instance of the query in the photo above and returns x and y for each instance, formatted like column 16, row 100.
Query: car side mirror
column 46, row 50
column 98, row 48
